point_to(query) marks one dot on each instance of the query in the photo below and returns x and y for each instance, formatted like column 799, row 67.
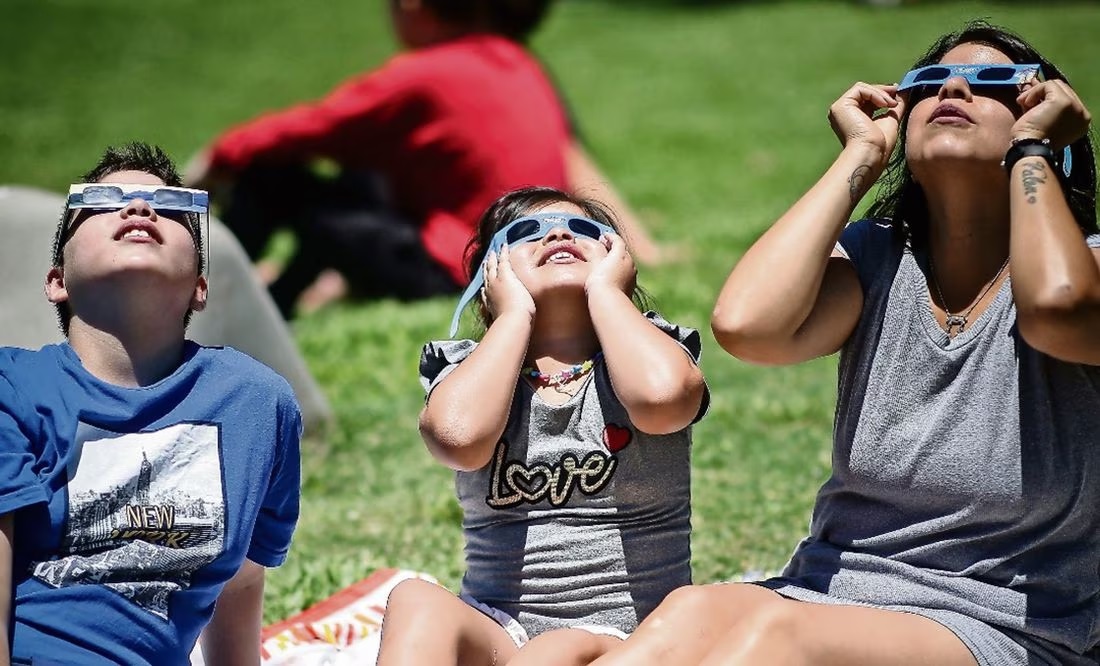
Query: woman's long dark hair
column 901, row 199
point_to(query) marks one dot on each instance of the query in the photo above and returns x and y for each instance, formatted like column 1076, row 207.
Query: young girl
column 568, row 425
column 960, row 525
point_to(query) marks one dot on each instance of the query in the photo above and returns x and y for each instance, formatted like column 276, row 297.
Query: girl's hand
column 1052, row 110
column 616, row 269
column 857, row 117
column 503, row 292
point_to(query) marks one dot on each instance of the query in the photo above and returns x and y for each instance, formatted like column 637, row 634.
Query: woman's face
column 957, row 122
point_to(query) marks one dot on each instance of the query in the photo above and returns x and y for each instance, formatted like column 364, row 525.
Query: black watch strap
column 1022, row 148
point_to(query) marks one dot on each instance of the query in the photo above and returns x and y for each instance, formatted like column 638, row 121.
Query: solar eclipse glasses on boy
column 975, row 75
column 524, row 230
column 981, row 75
column 164, row 199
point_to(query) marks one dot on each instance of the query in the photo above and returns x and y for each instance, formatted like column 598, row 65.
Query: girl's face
column 558, row 260
column 960, row 122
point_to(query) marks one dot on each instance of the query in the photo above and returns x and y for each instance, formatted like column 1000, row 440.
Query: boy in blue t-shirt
column 145, row 481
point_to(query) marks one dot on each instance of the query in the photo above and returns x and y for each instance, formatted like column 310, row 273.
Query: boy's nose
column 139, row 207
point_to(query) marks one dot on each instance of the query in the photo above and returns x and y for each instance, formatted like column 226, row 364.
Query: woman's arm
column 791, row 297
column 232, row 637
column 657, row 382
column 467, row 412
column 1055, row 275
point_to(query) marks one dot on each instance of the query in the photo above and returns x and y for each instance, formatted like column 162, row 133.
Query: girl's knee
column 415, row 593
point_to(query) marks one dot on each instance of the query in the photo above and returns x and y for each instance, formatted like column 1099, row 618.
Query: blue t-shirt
column 134, row 506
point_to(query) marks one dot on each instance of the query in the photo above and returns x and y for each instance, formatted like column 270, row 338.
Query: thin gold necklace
column 961, row 320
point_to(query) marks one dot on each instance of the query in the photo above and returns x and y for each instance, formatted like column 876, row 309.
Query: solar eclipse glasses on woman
column 975, row 75
column 981, row 75
column 164, row 199
column 525, row 230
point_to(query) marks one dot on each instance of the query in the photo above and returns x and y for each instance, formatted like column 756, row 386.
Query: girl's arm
column 1055, row 275
column 233, row 635
column 466, row 413
column 6, row 539
column 657, row 382
column 791, row 297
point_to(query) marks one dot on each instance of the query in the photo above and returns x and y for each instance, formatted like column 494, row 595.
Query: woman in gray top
column 960, row 524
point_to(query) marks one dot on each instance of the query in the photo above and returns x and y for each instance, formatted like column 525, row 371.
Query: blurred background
column 709, row 116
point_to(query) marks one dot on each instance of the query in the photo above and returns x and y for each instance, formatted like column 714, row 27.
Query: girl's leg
column 747, row 624
column 564, row 647
column 426, row 624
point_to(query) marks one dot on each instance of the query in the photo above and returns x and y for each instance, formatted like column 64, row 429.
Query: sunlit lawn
column 710, row 117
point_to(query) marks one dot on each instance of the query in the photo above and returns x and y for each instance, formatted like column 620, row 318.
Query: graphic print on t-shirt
column 146, row 510
column 513, row 483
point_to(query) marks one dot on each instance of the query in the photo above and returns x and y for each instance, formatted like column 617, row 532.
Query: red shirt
column 450, row 127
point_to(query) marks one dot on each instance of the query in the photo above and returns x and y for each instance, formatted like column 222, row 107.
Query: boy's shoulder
column 234, row 365
column 16, row 361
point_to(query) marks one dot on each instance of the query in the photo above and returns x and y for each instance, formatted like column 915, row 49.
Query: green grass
column 710, row 117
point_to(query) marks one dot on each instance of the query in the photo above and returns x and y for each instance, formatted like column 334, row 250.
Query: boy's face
column 131, row 242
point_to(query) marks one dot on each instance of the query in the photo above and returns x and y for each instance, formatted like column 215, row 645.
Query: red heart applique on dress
column 616, row 438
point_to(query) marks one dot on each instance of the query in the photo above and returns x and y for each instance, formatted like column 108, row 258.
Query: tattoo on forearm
column 1033, row 175
column 857, row 182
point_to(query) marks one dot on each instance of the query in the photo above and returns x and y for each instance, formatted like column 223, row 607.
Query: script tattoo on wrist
column 1033, row 175
column 857, row 182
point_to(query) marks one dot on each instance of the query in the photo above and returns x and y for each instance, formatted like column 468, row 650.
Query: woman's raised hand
column 869, row 115
column 1052, row 110
column 503, row 292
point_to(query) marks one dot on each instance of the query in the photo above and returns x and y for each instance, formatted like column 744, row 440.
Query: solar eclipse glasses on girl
column 975, row 75
column 981, row 75
column 164, row 199
column 525, row 230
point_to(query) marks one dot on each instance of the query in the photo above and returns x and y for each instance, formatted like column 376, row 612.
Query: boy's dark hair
column 901, row 199
column 133, row 156
column 516, row 204
column 515, row 19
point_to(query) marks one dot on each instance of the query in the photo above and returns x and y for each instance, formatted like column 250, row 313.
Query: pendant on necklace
column 954, row 320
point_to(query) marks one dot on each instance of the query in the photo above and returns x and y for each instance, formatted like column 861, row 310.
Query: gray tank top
column 579, row 518
column 966, row 470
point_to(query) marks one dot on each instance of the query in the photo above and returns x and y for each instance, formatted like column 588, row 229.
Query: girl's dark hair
column 515, row 19
column 516, row 204
column 901, row 199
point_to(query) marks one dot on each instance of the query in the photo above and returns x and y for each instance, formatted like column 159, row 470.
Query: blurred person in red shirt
column 423, row 145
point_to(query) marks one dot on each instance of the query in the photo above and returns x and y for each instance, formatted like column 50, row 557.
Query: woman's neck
column 968, row 235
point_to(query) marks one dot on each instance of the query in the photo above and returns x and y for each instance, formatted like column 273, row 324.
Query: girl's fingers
column 491, row 267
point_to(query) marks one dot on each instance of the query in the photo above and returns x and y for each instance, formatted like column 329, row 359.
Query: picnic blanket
column 344, row 628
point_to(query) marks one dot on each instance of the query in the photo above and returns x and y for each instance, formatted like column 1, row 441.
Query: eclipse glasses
column 975, row 75
column 524, row 230
column 161, row 198
column 981, row 75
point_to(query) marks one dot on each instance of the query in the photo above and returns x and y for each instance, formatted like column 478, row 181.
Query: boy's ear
column 55, row 286
column 198, row 299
